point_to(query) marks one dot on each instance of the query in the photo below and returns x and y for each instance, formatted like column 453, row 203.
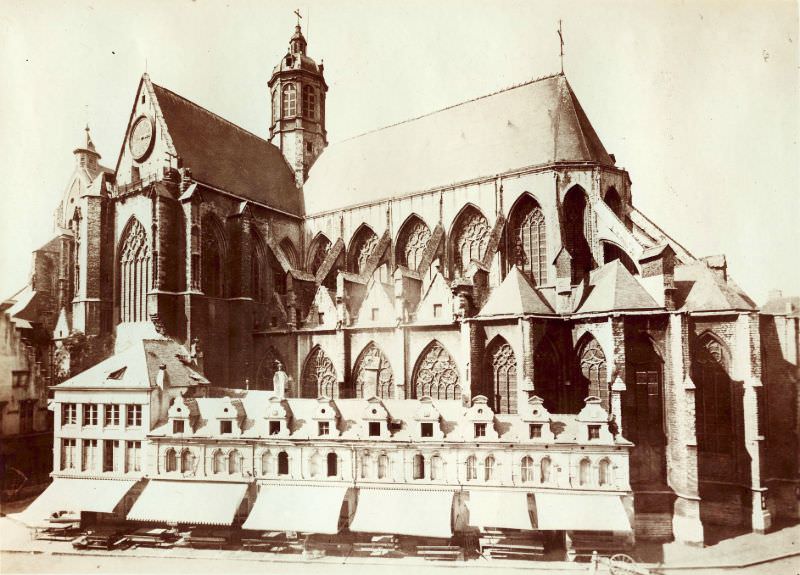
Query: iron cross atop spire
column 561, row 41
column 299, row 16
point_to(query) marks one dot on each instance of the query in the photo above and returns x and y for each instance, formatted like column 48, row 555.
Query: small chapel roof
column 515, row 296
column 225, row 156
column 536, row 123
column 611, row 288
column 699, row 289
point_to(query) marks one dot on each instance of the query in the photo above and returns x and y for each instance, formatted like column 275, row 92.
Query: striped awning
column 194, row 502
column 70, row 497
column 308, row 509
column 507, row 509
column 404, row 512
column 580, row 512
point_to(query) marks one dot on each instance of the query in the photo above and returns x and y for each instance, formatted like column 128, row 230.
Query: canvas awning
column 504, row 509
column 72, row 496
column 580, row 512
column 309, row 509
column 196, row 502
column 404, row 512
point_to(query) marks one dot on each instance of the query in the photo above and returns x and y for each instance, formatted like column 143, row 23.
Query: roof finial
column 561, row 40
column 297, row 13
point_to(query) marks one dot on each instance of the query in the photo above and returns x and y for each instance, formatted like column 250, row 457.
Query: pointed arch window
column 134, row 264
column 529, row 240
column 501, row 375
column 437, row 467
column 361, row 249
column 318, row 252
column 213, row 258
column 319, row 376
column 289, row 100
column 411, row 243
column 259, row 280
column 578, row 232
column 436, row 374
column 373, row 374
column 309, row 102
column 593, row 369
column 715, row 405
column 287, row 247
column 314, row 465
column 171, row 463
column 366, row 465
column 604, row 472
column 469, row 240
column 267, row 463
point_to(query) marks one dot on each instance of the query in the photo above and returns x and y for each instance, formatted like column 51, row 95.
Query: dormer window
column 374, row 428
column 594, row 431
column 535, row 430
column 426, row 429
column 178, row 426
column 324, row 427
column 480, row 430
column 274, row 427
column 225, row 427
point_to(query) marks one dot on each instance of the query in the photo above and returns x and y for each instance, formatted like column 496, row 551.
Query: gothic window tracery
column 319, row 376
column 501, row 377
column 319, row 252
column 593, row 370
column 437, row 374
column 471, row 238
column 412, row 241
column 714, row 399
column 361, row 249
column 373, row 374
column 213, row 258
column 134, row 262
column 529, row 240
column 258, row 275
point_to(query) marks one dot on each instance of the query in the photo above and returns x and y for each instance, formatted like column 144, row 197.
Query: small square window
column 309, row 147
column 225, row 427
column 374, row 428
column 535, row 430
column 426, row 429
column 594, row 432
column 437, row 310
column 480, row 430
column 178, row 426
column 274, row 427
column 374, row 313
column 320, row 318
column 324, row 427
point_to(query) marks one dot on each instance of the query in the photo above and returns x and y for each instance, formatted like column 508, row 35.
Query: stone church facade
column 488, row 254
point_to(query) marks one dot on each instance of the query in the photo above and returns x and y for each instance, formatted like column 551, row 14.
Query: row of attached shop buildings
column 142, row 437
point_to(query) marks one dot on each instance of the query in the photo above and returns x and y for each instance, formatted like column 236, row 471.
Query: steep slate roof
column 612, row 287
column 536, row 123
column 515, row 296
column 137, row 366
column 226, row 156
column 698, row 288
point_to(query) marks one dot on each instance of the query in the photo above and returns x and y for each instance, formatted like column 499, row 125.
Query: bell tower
column 297, row 89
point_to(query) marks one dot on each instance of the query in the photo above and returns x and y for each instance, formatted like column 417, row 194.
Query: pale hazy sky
column 698, row 100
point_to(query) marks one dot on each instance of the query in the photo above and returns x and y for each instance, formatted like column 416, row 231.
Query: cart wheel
column 617, row 564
